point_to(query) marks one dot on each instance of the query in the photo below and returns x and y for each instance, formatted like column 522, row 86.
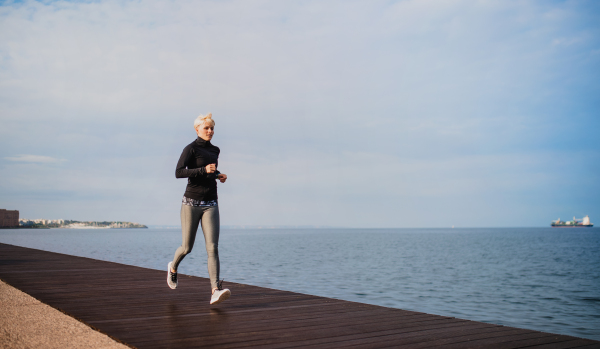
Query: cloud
column 40, row 159
column 417, row 105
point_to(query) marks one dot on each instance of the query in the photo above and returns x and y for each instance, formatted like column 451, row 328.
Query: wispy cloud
column 40, row 159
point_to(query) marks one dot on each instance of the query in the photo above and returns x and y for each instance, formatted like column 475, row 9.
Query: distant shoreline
column 103, row 228
column 72, row 224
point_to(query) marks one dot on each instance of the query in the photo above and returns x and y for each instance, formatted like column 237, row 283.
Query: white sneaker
column 171, row 277
column 220, row 295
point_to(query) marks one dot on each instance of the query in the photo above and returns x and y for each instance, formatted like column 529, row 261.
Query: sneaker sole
column 168, row 272
column 222, row 297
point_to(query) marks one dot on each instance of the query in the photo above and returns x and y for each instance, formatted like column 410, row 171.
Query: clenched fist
column 211, row 168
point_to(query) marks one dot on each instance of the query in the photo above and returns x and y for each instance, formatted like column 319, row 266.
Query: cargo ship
column 575, row 223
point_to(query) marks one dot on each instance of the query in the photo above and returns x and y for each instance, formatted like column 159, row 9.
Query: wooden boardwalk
column 135, row 306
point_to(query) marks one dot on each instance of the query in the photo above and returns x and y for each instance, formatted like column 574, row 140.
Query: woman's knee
column 185, row 250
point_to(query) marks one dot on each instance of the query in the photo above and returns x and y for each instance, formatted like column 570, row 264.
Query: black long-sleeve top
column 192, row 165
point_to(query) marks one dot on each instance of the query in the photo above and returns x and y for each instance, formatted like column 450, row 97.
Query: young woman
column 198, row 163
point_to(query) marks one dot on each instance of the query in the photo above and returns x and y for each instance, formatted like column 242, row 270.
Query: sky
column 374, row 114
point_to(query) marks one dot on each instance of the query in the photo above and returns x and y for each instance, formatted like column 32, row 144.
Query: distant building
column 9, row 219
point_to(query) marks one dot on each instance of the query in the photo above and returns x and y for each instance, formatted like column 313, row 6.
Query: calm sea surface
column 537, row 278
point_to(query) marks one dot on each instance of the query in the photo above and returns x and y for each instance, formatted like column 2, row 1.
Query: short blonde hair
column 200, row 120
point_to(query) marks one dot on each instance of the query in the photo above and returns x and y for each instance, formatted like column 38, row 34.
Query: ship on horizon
column 575, row 223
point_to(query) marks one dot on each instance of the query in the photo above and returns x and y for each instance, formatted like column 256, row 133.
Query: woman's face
column 205, row 131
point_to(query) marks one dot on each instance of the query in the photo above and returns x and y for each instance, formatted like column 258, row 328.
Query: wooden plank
column 588, row 346
column 457, row 339
column 233, row 330
column 135, row 305
column 328, row 337
column 575, row 343
column 439, row 329
column 541, row 341
column 429, row 339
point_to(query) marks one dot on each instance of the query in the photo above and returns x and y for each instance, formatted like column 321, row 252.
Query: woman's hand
column 222, row 177
column 211, row 168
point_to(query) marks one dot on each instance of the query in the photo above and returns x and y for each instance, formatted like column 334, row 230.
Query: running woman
column 198, row 163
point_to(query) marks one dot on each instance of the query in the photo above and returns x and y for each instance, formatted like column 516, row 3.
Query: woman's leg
column 190, row 218
column 210, row 228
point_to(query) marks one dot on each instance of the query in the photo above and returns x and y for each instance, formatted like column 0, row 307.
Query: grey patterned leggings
column 191, row 217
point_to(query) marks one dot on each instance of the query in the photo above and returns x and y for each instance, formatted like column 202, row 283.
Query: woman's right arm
column 182, row 170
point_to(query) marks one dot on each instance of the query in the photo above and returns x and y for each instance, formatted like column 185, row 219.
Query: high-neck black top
column 192, row 165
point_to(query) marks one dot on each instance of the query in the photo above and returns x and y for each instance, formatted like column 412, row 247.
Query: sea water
column 535, row 278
